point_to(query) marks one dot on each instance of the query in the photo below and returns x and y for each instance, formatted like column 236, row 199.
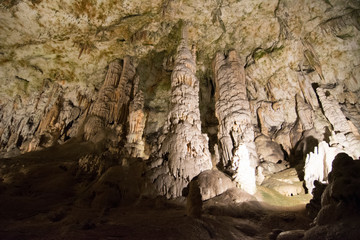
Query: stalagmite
column 318, row 164
column 236, row 134
column 111, row 106
column 184, row 149
column 137, row 118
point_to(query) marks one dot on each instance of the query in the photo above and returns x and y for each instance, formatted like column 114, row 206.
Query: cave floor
column 42, row 199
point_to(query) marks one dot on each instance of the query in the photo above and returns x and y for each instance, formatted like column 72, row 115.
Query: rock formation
column 285, row 182
column 213, row 183
column 342, row 135
column 111, row 107
column 318, row 164
column 332, row 111
column 232, row 109
column 305, row 113
column 314, row 206
column 339, row 202
column 184, row 149
column 270, row 117
column 43, row 120
column 108, row 101
column 137, row 118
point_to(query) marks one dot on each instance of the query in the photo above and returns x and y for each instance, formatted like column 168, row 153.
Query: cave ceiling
column 73, row 41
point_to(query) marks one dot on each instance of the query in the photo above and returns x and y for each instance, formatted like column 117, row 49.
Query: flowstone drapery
column 232, row 109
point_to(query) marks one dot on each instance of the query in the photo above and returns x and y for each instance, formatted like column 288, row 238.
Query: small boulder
column 213, row 183
column 291, row 235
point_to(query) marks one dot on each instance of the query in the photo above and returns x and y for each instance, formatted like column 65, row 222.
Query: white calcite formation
column 318, row 164
column 184, row 148
column 111, row 107
column 232, row 109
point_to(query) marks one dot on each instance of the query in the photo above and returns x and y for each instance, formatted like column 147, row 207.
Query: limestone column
column 112, row 103
column 232, row 109
column 137, row 119
column 185, row 147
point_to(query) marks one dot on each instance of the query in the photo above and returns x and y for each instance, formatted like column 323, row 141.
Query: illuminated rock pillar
column 184, row 147
column 232, row 109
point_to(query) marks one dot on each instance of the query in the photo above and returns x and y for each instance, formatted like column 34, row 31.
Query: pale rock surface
column 232, row 109
column 305, row 113
column 351, row 111
column 285, row 182
column 184, row 148
column 271, row 158
column 342, row 136
column 318, row 164
column 233, row 195
column 268, row 150
column 213, row 183
column 332, row 111
column 111, row 108
column 270, row 117
column 137, row 119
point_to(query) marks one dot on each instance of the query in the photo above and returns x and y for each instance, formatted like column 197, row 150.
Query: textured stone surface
column 111, row 108
column 184, row 149
column 318, row 164
column 232, row 109
column 137, row 119
column 285, row 182
column 62, row 77
column 339, row 202
column 213, row 183
column 291, row 235
column 117, row 113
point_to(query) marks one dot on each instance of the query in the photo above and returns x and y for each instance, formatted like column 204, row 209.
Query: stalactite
column 236, row 134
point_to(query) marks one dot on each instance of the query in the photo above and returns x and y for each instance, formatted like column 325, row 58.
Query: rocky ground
column 43, row 196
